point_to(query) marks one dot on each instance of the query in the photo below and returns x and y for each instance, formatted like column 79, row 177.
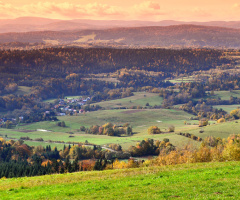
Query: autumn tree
column 153, row 130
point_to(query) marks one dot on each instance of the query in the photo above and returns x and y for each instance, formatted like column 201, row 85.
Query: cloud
column 147, row 8
column 61, row 10
column 200, row 13
column 69, row 10
column 236, row 5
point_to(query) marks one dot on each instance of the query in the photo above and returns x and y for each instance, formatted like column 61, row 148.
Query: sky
column 182, row 10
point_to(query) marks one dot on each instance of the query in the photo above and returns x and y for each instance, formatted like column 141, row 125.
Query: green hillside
column 189, row 181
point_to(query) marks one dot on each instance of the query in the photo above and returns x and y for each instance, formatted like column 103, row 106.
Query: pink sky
column 187, row 10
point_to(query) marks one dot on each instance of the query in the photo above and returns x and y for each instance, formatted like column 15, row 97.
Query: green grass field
column 66, row 98
column 227, row 108
column 23, row 90
column 183, row 79
column 140, row 120
column 188, row 181
column 139, row 99
column 225, row 95
column 222, row 130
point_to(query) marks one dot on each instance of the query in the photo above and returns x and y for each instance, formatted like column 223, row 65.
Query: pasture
column 188, row 181
column 228, row 108
column 139, row 119
column 139, row 99
column 222, row 130
column 225, row 95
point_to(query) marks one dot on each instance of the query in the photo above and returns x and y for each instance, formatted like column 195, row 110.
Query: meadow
column 21, row 90
column 228, row 108
column 139, row 119
column 222, row 130
column 188, row 181
column 225, row 95
column 139, row 99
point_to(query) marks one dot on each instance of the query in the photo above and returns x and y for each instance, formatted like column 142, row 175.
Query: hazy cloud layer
column 145, row 10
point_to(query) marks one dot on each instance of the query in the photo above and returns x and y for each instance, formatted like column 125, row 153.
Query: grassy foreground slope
column 189, row 181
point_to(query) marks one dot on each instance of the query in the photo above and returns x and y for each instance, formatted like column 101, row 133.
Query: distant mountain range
column 27, row 24
column 155, row 36
column 90, row 33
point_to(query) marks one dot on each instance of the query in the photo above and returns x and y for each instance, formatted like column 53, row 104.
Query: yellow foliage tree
column 153, row 130
column 221, row 120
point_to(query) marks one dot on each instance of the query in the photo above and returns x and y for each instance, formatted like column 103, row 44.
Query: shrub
column 203, row 122
column 153, row 130
column 171, row 128
column 82, row 128
column 221, row 120
column 166, row 140
column 39, row 139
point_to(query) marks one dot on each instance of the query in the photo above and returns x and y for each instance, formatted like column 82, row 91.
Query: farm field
column 183, row 79
column 125, row 142
column 225, row 95
column 222, row 130
column 67, row 97
column 227, row 108
column 140, row 120
column 22, row 90
column 139, row 99
column 187, row 181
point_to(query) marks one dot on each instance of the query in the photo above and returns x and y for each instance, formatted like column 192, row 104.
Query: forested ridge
column 57, row 72
column 61, row 61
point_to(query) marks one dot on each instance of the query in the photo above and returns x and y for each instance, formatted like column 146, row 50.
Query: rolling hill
column 154, row 36
column 189, row 181
column 26, row 24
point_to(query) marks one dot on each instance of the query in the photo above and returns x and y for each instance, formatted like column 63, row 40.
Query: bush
column 203, row 122
column 166, row 140
column 153, row 130
column 61, row 124
column 39, row 139
column 171, row 128
column 82, row 128
column 221, row 120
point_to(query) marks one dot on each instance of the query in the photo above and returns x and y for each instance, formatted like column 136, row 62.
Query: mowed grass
column 228, row 108
column 183, row 79
column 139, row 99
column 225, row 95
column 222, row 130
column 188, row 181
column 22, row 90
column 140, row 120
column 65, row 98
